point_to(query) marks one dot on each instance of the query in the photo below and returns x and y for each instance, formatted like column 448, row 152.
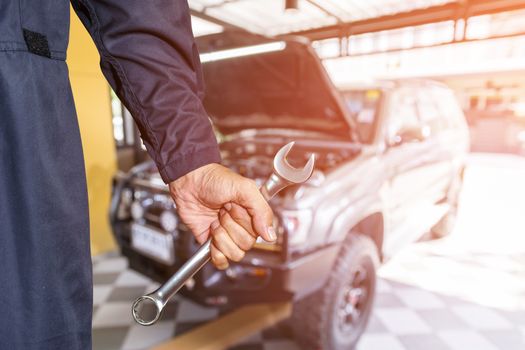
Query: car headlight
column 137, row 210
column 126, row 197
column 297, row 224
column 168, row 220
column 123, row 210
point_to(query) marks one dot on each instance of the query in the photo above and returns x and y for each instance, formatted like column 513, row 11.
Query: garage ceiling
column 326, row 19
column 269, row 17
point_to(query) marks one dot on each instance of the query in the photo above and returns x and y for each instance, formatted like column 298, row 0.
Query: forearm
column 149, row 57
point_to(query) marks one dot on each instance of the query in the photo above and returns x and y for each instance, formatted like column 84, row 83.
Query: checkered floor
column 405, row 318
column 463, row 292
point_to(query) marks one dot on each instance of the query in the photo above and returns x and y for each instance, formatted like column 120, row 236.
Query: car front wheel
column 334, row 317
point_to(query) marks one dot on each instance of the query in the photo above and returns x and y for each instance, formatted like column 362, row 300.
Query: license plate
column 155, row 244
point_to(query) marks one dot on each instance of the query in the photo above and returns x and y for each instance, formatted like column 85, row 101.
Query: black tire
column 327, row 319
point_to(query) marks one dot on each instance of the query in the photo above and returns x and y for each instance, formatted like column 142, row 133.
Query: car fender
column 348, row 218
column 310, row 273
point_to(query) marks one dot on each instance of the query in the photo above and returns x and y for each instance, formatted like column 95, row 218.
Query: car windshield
column 363, row 106
column 287, row 89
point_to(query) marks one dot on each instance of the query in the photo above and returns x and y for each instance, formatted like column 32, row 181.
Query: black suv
column 390, row 160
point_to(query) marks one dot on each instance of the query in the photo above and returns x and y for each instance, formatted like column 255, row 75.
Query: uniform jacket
column 149, row 57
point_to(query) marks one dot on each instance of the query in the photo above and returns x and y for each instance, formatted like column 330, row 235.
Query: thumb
column 253, row 201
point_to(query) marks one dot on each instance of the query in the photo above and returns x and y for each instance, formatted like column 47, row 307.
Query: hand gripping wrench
column 283, row 175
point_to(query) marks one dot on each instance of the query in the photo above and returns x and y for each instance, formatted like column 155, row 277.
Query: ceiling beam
column 486, row 7
column 433, row 14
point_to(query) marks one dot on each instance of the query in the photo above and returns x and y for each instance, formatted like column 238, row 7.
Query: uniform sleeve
column 149, row 57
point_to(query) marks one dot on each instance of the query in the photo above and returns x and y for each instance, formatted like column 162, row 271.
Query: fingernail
column 222, row 212
column 271, row 233
column 228, row 206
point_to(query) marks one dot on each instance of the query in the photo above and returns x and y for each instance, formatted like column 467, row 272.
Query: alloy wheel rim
column 353, row 301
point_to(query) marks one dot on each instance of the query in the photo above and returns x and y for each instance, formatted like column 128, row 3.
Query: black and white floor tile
column 405, row 318
column 464, row 292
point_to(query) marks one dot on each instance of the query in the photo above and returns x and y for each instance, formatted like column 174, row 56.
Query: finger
column 253, row 201
column 225, row 244
column 204, row 235
column 241, row 217
column 218, row 259
column 242, row 238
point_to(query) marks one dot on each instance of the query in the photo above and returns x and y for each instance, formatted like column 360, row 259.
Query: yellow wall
column 92, row 100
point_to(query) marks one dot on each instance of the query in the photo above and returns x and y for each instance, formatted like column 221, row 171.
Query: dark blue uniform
column 150, row 59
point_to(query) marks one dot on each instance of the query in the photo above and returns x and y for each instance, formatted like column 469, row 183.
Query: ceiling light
column 242, row 51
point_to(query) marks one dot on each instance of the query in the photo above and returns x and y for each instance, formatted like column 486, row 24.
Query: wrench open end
column 146, row 310
column 286, row 171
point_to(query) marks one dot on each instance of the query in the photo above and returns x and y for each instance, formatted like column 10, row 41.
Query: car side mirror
column 407, row 135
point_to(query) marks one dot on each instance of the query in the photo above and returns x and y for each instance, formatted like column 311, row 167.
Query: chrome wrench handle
column 160, row 297
column 283, row 175
column 164, row 293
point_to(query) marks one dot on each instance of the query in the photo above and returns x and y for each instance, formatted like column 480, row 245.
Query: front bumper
column 260, row 277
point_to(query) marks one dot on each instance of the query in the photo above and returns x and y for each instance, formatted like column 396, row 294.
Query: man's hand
column 215, row 200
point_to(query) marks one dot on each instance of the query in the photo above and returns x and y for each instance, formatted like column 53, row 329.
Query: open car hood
column 286, row 88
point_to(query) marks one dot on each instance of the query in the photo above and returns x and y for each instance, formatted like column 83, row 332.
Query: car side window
column 363, row 106
column 403, row 116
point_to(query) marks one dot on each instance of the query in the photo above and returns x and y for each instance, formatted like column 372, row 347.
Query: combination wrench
column 283, row 175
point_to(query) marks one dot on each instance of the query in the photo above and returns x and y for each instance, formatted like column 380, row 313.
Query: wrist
column 187, row 184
